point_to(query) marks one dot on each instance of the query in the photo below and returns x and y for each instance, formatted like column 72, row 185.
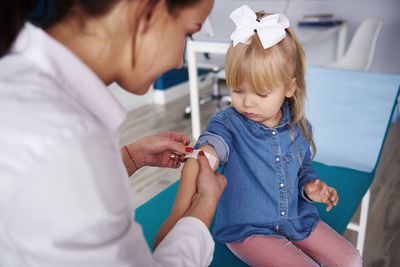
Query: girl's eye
column 236, row 91
column 263, row 95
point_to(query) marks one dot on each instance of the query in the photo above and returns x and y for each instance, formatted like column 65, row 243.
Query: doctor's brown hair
column 14, row 13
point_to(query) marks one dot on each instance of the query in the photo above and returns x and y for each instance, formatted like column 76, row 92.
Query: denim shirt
column 266, row 176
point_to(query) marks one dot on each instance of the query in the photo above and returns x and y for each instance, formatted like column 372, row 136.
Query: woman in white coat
column 65, row 196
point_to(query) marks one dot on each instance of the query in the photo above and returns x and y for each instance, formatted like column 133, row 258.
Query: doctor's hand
column 209, row 187
column 198, row 195
column 319, row 191
column 166, row 149
column 209, row 182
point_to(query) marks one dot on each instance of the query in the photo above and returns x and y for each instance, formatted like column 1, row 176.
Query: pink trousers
column 324, row 245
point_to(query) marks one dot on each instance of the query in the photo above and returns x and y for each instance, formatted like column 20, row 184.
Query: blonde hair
column 266, row 69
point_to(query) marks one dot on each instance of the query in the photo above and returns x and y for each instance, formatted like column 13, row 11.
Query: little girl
column 266, row 215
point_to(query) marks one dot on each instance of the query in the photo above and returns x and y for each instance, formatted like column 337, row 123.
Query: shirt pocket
column 293, row 165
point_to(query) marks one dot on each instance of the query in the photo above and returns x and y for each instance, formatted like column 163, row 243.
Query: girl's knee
column 352, row 259
column 349, row 257
column 356, row 259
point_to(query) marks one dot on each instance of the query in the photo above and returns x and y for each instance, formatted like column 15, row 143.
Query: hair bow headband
column 270, row 29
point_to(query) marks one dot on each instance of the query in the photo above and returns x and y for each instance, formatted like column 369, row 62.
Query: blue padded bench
column 153, row 213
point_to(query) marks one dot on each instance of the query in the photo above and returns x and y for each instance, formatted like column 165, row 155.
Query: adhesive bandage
column 211, row 159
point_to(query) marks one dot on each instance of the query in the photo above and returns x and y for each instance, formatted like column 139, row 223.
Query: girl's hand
column 319, row 191
column 156, row 150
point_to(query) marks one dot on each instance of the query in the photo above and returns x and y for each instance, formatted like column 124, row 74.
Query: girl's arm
column 312, row 188
column 184, row 196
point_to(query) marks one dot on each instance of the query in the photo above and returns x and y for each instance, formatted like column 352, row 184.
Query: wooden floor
column 382, row 246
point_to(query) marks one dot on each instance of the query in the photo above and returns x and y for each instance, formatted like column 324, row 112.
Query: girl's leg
column 329, row 248
column 270, row 251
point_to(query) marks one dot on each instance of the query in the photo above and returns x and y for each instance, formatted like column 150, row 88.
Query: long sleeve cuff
column 188, row 244
column 303, row 184
column 304, row 196
column 219, row 144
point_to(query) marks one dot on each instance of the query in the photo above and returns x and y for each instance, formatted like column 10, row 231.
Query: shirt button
column 277, row 159
column 281, row 184
column 273, row 132
column 282, row 213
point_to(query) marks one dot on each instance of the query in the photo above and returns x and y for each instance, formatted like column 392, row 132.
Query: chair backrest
column 362, row 47
column 207, row 27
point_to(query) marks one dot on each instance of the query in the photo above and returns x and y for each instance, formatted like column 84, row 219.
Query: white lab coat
column 65, row 196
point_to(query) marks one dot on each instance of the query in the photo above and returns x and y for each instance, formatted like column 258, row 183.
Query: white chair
column 362, row 47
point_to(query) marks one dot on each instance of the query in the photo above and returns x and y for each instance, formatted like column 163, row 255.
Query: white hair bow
column 270, row 29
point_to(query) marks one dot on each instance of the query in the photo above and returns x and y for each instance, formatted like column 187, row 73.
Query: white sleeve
column 189, row 243
column 72, row 206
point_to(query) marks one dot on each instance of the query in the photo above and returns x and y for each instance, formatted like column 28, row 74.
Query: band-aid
column 211, row 159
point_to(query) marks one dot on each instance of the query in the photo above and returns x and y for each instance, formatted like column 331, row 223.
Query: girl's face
column 160, row 44
column 264, row 108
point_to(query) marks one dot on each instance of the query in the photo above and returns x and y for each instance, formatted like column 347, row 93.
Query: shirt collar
column 70, row 74
column 286, row 114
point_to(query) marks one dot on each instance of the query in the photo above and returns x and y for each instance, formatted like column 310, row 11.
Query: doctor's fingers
column 204, row 163
column 208, row 178
column 177, row 137
column 177, row 150
column 221, row 181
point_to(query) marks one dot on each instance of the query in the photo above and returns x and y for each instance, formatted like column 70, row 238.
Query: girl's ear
column 292, row 88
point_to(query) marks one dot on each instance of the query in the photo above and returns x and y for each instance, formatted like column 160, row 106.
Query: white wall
column 387, row 53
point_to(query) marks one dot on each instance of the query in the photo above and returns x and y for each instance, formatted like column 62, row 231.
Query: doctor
column 65, row 197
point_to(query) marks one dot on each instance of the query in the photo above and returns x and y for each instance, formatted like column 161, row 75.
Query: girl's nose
column 247, row 102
